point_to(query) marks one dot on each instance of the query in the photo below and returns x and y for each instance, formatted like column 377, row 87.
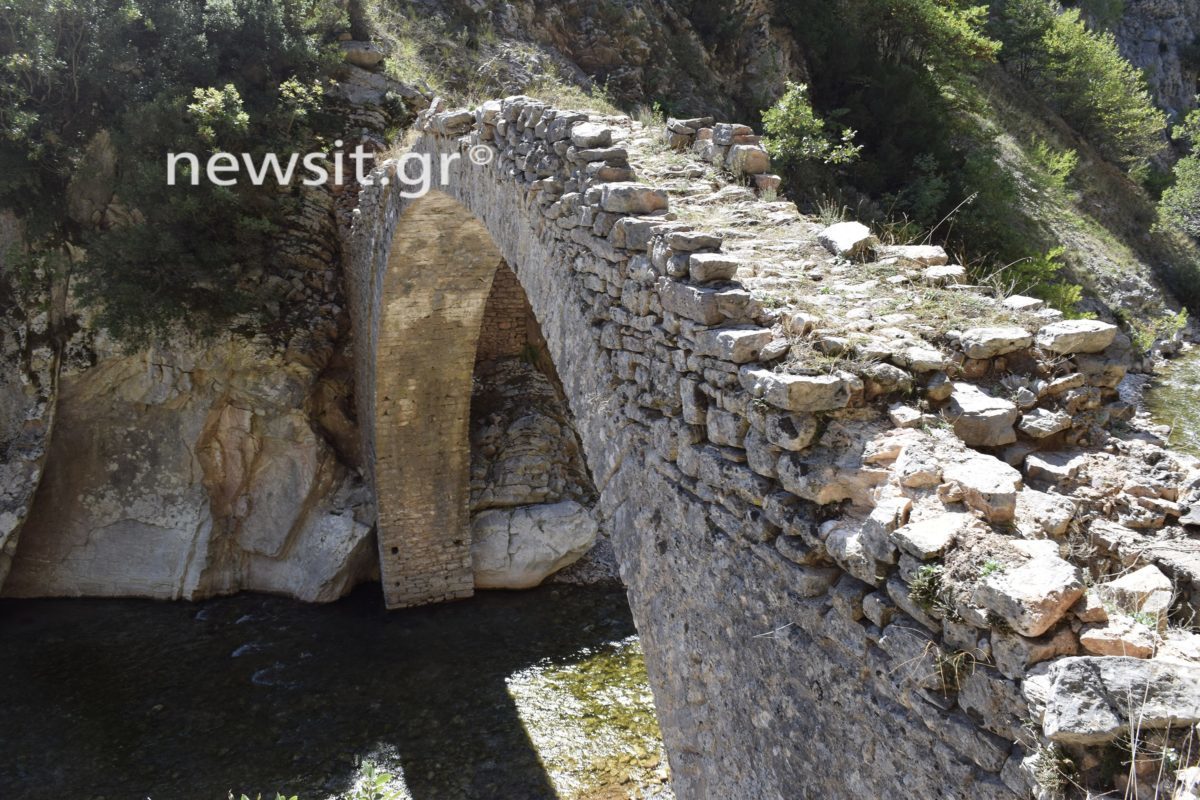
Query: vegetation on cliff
column 1011, row 131
column 156, row 76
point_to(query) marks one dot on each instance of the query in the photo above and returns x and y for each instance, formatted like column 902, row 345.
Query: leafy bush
column 890, row 77
column 1145, row 333
column 1180, row 203
column 1039, row 277
column 1055, row 166
column 796, row 135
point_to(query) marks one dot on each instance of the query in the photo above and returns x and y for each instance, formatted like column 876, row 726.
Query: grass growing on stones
column 954, row 668
column 926, row 587
column 990, row 567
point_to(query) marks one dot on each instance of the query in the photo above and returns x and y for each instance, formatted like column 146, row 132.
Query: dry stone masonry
column 870, row 518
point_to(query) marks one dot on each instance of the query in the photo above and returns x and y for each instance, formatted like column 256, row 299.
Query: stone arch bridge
column 787, row 654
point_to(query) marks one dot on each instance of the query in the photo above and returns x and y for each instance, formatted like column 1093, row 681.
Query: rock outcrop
column 28, row 373
column 188, row 473
column 531, row 496
column 1159, row 38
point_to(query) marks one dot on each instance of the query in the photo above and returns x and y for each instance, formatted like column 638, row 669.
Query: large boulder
column 518, row 548
column 1076, row 336
column 186, row 473
column 362, row 54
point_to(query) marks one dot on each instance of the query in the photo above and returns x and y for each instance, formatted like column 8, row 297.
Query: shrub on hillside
column 1180, row 204
column 797, row 137
column 1082, row 76
column 1039, row 276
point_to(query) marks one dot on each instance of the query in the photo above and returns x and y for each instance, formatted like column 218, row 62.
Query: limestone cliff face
column 28, row 365
column 193, row 472
column 1158, row 37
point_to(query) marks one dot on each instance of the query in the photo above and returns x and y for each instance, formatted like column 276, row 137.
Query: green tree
column 1180, row 204
column 1083, row 76
column 795, row 134
column 160, row 76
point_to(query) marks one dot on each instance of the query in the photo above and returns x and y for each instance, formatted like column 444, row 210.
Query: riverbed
column 1174, row 399
column 523, row 695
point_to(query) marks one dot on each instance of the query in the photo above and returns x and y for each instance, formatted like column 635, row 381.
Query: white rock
column 591, row 134
column 920, row 358
column 631, row 198
column 705, row 267
column 903, row 416
column 747, row 159
column 925, row 254
column 1037, row 548
column 1090, row 608
column 517, row 548
column 948, row 273
column 362, row 54
column 992, row 342
column 1146, row 590
column 1042, row 512
column 1020, row 302
column 848, row 240
column 737, row 345
column 1076, row 336
column 988, row 485
column 1040, row 423
column 1032, row 597
column 797, row 392
column 981, row 420
column 1119, row 635
column 1093, row 699
column 930, row 538
column 1055, row 467
column 791, row 431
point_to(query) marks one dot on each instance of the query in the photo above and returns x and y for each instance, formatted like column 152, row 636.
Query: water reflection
column 173, row 701
column 1172, row 400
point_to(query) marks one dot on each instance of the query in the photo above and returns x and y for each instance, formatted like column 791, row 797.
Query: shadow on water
column 121, row 699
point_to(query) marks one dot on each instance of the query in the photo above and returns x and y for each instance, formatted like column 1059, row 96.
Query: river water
column 524, row 695
column 1174, row 399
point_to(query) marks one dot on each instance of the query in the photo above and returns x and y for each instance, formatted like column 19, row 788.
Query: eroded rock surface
column 531, row 496
column 183, row 474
